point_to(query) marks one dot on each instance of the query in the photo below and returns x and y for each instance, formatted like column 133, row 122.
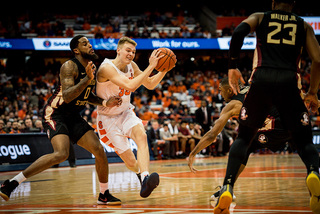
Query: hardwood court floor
column 270, row 184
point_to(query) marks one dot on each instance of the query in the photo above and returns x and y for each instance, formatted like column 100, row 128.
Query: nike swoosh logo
column 104, row 200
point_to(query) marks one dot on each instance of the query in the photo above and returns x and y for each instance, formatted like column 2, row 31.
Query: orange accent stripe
column 105, row 139
column 111, row 145
column 102, row 131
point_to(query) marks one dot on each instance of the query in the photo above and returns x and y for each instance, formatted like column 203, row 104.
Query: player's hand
column 90, row 70
column 190, row 163
column 154, row 58
column 311, row 102
column 234, row 75
column 114, row 101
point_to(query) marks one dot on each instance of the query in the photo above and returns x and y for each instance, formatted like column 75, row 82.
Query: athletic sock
column 144, row 174
column 19, row 178
column 104, row 187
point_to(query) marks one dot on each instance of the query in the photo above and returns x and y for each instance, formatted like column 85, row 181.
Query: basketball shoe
column 224, row 201
column 108, row 199
column 215, row 196
column 149, row 183
column 7, row 188
column 313, row 184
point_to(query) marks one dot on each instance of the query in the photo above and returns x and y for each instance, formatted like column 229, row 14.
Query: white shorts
column 115, row 130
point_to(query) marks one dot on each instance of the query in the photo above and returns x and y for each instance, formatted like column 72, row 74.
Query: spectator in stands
column 196, row 131
column 184, row 138
column 23, row 111
column 38, row 126
column 2, row 127
column 168, row 138
column 154, row 139
column 203, row 116
column 86, row 26
column 69, row 32
column 15, row 128
column 28, row 125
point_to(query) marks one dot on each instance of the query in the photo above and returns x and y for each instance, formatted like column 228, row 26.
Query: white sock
column 144, row 174
column 104, row 187
column 19, row 178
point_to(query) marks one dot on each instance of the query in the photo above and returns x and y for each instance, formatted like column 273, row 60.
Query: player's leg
column 60, row 144
column 139, row 136
column 149, row 182
column 252, row 115
column 91, row 143
column 130, row 160
column 296, row 119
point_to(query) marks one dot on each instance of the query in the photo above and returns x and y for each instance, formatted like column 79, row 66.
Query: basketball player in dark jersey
column 63, row 122
column 272, row 135
column 281, row 35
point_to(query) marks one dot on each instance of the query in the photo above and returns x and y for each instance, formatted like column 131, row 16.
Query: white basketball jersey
column 108, row 89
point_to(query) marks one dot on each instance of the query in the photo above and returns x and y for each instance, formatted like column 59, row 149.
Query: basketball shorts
column 274, row 90
column 72, row 125
column 275, row 140
column 116, row 129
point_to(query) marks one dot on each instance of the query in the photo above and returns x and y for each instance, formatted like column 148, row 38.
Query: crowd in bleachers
column 173, row 103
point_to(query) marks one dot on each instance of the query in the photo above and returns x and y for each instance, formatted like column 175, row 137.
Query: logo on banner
column 47, row 43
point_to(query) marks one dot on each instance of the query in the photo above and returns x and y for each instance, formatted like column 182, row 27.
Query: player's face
column 127, row 52
column 85, row 49
column 225, row 92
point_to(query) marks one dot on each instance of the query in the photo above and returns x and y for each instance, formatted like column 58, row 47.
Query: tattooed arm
column 68, row 74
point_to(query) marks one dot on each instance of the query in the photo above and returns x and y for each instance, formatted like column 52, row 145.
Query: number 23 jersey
column 280, row 38
column 108, row 89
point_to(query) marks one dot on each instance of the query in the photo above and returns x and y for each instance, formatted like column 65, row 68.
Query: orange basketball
column 167, row 62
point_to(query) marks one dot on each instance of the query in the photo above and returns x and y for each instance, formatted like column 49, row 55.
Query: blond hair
column 125, row 39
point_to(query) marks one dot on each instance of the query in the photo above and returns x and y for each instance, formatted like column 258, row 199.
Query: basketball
column 167, row 62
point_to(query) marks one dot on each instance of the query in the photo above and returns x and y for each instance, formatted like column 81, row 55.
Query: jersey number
column 86, row 95
column 292, row 33
column 123, row 92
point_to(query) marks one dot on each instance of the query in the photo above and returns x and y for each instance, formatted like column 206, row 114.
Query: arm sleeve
column 236, row 43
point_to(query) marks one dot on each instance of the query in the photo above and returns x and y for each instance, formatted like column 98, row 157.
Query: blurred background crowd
column 172, row 113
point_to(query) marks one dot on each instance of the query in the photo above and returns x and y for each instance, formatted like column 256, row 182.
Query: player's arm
column 68, row 74
column 107, row 72
column 149, row 82
column 232, row 109
column 240, row 32
column 111, row 102
column 312, row 47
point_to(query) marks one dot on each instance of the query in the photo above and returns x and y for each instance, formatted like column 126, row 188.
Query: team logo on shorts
column 262, row 138
column 243, row 113
column 305, row 119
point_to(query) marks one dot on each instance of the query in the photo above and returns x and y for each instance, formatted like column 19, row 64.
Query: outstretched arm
column 232, row 109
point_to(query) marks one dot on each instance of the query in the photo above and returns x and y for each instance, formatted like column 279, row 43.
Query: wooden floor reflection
column 269, row 184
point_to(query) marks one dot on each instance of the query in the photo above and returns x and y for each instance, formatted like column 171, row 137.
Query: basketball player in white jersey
column 120, row 77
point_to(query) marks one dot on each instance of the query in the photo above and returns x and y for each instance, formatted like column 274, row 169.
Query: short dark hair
column 75, row 42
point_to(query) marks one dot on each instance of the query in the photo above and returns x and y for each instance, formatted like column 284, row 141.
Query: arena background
column 27, row 62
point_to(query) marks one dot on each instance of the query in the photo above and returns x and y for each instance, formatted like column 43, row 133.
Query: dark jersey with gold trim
column 56, row 101
column 280, row 38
